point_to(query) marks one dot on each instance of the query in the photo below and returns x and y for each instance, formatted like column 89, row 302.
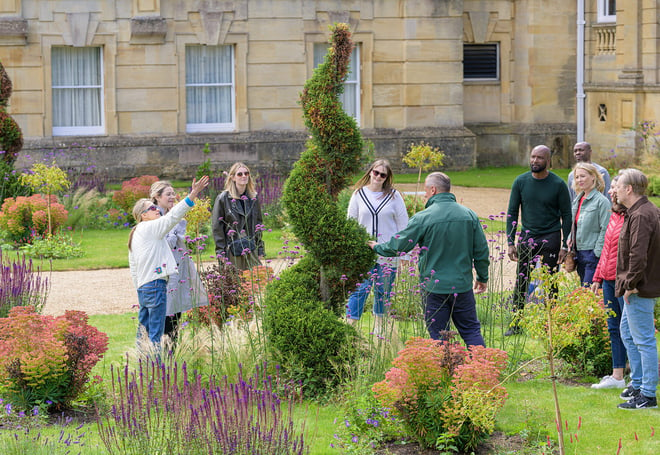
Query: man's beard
column 537, row 167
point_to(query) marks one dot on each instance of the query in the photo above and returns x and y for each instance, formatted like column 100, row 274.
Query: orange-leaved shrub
column 25, row 218
column 132, row 190
column 445, row 394
column 46, row 359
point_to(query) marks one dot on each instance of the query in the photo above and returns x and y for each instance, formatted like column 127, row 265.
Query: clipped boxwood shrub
column 306, row 339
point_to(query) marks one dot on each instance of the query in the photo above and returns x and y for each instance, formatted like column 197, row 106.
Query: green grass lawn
column 488, row 177
column 109, row 250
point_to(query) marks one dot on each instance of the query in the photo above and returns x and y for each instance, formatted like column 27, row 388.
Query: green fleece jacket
column 452, row 242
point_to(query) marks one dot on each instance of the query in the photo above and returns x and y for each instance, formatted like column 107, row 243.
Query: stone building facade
column 147, row 83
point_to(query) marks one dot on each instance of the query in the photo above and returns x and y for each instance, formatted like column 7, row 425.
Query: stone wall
column 177, row 157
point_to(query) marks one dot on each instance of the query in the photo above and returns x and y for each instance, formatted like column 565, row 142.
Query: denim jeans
column 586, row 266
column 638, row 335
column 153, row 298
column 381, row 279
column 615, row 305
column 546, row 246
column 460, row 308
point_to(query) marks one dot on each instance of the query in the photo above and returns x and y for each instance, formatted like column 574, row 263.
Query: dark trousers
column 546, row 247
column 460, row 308
column 172, row 326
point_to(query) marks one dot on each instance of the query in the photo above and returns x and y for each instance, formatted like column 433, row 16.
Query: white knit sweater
column 381, row 217
column 150, row 257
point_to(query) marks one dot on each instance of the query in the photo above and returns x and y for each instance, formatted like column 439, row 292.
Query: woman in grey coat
column 184, row 289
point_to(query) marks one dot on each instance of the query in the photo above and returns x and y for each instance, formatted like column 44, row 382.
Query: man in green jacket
column 452, row 242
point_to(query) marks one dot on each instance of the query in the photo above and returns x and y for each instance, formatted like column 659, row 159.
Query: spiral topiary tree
column 11, row 137
column 301, row 318
column 11, row 142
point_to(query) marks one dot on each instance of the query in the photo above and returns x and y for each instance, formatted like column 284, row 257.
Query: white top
column 382, row 217
column 150, row 257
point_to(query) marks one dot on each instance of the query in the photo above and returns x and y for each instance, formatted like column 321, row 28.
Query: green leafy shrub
column 45, row 358
column 308, row 341
column 11, row 137
column 10, row 186
column 654, row 185
column 58, row 246
column 24, row 218
column 588, row 353
column 445, row 394
column 132, row 190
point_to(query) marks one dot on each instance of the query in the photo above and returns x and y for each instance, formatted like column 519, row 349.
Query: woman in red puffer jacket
column 605, row 275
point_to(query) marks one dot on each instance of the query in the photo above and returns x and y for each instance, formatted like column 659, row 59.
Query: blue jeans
column 638, row 335
column 615, row 305
column 460, row 308
column 381, row 278
column 153, row 299
column 586, row 266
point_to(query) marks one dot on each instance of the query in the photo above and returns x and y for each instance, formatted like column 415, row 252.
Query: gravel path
column 111, row 291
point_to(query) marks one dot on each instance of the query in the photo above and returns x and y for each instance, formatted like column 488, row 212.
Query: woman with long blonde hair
column 237, row 221
column 591, row 215
column 378, row 207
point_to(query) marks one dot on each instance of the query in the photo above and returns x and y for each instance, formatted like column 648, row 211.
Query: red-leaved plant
column 445, row 394
column 47, row 359
column 132, row 190
column 25, row 218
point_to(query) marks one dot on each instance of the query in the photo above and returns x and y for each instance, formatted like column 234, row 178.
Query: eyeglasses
column 241, row 174
column 153, row 208
column 379, row 174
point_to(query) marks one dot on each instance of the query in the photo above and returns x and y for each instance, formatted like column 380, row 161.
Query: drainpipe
column 579, row 74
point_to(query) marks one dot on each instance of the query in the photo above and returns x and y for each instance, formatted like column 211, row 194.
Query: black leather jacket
column 232, row 216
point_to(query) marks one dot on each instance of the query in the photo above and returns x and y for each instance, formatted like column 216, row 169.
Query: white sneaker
column 608, row 382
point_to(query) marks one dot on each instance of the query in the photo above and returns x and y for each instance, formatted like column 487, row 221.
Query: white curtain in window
column 209, row 84
column 77, row 86
column 350, row 99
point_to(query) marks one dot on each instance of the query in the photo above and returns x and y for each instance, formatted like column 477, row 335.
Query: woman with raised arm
column 151, row 260
column 184, row 288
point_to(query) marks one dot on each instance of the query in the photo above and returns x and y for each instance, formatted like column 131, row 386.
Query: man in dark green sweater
column 453, row 243
column 542, row 199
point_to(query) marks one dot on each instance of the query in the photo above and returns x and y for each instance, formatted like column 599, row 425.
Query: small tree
column 561, row 317
column 424, row 157
column 46, row 180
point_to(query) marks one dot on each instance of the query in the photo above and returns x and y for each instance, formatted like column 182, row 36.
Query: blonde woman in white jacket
column 151, row 260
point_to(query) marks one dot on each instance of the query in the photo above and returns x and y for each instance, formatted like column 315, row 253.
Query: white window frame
column 604, row 13
column 91, row 130
column 352, row 79
column 215, row 127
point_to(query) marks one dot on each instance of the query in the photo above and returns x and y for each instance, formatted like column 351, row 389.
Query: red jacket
column 606, row 269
